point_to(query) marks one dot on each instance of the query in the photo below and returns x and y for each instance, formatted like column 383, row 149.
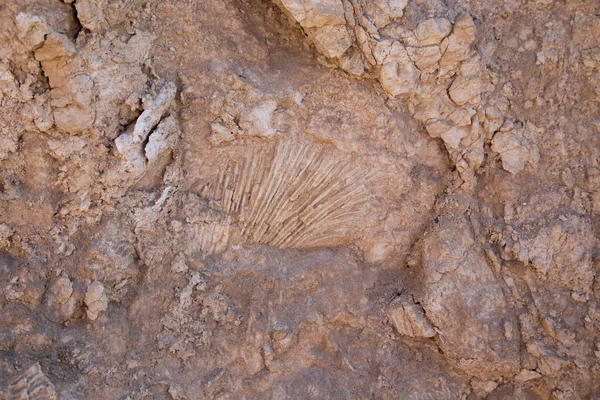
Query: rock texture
column 299, row 199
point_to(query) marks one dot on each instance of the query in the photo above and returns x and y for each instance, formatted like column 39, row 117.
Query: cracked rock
column 409, row 318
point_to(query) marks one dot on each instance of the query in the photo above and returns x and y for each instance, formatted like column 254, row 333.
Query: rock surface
column 316, row 199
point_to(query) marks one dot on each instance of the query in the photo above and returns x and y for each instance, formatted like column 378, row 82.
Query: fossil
column 32, row 384
column 294, row 194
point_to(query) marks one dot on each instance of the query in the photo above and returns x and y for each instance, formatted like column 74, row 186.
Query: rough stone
column 408, row 318
column 432, row 31
column 95, row 300
column 344, row 197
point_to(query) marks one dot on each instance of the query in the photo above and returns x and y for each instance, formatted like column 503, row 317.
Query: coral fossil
column 293, row 195
column 31, row 384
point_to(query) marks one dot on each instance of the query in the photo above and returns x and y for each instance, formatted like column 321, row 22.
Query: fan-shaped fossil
column 32, row 384
column 293, row 194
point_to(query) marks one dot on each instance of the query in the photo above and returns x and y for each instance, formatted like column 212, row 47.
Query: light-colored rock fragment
column 154, row 109
column 382, row 12
column 465, row 90
column 510, row 147
column 483, row 387
column 32, row 29
column 56, row 45
column 398, row 75
column 516, row 147
column 454, row 135
column 257, row 121
column 220, row 134
column 425, row 57
column 455, row 47
column 77, row 116
column 164, row 138
column 95, row 300
column 527, row 375
column 332, row 40
column 433, row 31
column 32, row 384
column 72, row 90
column 352, row 62
column 409, row 318
column 60, row 300
column 59, row 290
column 456, row 272
column 312, row 14
column 130, row 144
column 90, row 13
column 397, row 7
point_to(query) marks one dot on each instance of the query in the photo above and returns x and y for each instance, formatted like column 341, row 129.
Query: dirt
column 303, row 199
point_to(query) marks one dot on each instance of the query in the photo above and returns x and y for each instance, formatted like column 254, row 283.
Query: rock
column 220, row 134
column 332, row 40
column 76, row 116
column 257, row 121
column 130, row 144
column 455, row 47
column 432, row 31
column 60, row 299
column 95, row 300
column 164, row 138
column 314, row 13
column 90, row 13
column 483, row 388
column 527, row 375
column 409, row 318
column 382, row 12
column 31, row 385
column 72, row 92
column 398, row 75
column 5, row 234
column 465, row 90
column 456, row 271
column 56, row 45
column 59, row 291
column 324, row 21
column 32, row 29
column 516, row 149
column 352, row 62
column 453, row 136
column 425, row 58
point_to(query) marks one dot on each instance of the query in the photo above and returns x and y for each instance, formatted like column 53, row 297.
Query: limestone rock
column 516, row 148
column 130, row 144
column 257, row 121
column 315, row 13
column 432, row 31
column 72, row 92
column 425, row 58
column 472, row 334
column 408, row 318
column 220, row 134
column 465, row 90
column 91, row 13
column 398, row 75
column 32, row 29
column 455, row 47
column 60, row 300
column 164, row 138
column 95, row 300
column 332, row 40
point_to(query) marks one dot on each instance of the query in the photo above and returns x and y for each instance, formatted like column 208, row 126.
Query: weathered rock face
column 281, row 199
